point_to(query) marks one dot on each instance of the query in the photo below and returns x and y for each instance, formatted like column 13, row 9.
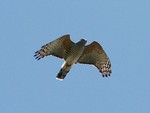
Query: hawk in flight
column 74, row 53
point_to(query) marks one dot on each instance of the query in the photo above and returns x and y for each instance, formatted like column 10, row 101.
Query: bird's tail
column 63, row 71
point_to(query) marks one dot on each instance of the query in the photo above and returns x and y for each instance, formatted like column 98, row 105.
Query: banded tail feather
column 63, row 71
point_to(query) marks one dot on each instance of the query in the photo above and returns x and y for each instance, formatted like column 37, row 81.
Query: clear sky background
column 122, row 27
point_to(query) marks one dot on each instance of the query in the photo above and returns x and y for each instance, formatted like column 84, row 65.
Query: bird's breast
column 74, row 54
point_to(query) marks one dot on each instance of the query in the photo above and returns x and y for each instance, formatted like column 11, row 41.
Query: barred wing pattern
column 59, row 48
column 95, row 55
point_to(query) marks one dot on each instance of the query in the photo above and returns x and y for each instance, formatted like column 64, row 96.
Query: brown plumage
column 73, row 53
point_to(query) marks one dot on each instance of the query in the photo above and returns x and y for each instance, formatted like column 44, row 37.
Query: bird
column 74, row 53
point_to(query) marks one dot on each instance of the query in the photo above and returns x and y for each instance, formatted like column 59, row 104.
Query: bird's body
column 73, row 53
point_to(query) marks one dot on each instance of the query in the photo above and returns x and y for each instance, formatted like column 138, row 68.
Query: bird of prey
column 74, row 53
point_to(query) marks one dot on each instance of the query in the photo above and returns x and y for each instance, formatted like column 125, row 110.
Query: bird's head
column 83, row 41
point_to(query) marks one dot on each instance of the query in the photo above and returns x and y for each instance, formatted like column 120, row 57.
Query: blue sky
column 29, row 86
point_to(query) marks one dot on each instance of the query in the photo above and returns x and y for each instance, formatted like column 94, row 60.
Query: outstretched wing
column 95, row 55
column 59, row 48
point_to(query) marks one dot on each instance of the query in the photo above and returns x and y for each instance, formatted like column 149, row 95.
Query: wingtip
column 106, row 74
column 37, row 57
